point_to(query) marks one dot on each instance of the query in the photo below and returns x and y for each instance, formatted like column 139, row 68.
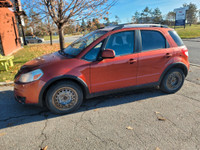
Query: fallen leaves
column 159, row 116
column 129, row 128
column 96, row 109
column 45, row 148
column 161, row 119
column 7, row 81
column 2, row 134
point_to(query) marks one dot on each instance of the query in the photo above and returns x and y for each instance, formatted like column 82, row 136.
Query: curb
column 196, row 65
column 6, row 83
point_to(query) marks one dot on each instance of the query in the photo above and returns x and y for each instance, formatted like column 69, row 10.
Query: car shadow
column 12, row 113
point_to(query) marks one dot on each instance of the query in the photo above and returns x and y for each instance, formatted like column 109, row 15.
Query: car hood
column 42, row 60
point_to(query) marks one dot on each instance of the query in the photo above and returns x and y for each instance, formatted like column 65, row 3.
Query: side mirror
column 108, row 53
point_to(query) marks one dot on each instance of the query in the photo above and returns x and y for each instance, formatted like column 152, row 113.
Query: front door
column 118, row 72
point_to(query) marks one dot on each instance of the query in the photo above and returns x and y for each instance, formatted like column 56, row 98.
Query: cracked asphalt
column 142, row 119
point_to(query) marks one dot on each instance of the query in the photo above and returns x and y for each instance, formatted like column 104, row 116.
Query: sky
column 125, row 9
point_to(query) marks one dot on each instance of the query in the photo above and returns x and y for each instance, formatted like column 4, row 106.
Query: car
column 109, row 60
column 33, row 39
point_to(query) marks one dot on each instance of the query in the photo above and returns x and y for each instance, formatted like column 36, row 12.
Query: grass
column 189, row 32
column 27, row 53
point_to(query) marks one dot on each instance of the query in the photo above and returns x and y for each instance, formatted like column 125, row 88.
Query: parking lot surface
column 142, row 119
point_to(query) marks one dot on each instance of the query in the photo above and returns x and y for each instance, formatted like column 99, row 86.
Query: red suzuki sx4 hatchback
column 108, row 60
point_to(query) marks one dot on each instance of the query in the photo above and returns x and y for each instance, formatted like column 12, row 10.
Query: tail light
column 185, row 52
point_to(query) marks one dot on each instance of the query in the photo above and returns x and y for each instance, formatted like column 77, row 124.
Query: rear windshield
column 176, row 38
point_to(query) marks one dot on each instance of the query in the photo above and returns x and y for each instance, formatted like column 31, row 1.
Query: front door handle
column 131, row 61
column 168, row 55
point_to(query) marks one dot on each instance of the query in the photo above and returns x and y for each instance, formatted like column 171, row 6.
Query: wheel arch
column 180, row 65
column 75, row 79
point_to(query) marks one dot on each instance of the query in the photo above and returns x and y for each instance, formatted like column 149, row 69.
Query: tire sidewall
column 164, row 87
column 54, row 88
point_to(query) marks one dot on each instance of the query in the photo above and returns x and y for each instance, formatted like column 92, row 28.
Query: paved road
column 69, row 39
column 142, row 119
column 192, row 44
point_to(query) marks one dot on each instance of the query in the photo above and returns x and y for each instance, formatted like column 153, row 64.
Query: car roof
column 124, row 26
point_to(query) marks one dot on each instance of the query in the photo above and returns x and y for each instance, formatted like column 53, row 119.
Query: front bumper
column 21, row 100
column 28, row 93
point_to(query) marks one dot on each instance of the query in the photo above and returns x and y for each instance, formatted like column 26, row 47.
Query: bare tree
column 49, row 28
column 62, row 11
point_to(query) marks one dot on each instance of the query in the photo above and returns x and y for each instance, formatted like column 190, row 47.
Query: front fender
column 76, row 79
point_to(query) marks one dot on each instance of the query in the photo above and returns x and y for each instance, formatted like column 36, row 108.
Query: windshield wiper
column 65, row 54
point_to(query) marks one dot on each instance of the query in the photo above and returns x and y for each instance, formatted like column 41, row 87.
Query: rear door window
column 152, row 40
column 176, row 38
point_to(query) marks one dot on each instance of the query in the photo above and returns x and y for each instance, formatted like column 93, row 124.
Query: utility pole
column 20, row 13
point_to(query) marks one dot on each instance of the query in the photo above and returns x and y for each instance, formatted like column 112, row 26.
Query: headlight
column 31, row 76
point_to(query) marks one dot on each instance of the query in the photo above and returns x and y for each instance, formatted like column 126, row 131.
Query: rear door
column 154, row 57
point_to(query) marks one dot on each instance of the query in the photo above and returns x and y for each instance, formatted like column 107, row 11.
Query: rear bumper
column 28, row 93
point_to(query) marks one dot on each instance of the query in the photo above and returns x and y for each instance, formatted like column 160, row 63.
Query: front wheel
column 172, row 81
column 64, row 97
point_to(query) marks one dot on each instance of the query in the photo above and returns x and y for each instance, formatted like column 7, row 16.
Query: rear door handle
column 168, row 55
column 131, row 61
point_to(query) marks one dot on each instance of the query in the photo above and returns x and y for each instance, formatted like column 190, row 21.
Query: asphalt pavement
column 141, row 119
column 193, row 46
column 68, row 39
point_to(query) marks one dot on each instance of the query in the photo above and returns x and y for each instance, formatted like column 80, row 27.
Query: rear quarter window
column 176, row 38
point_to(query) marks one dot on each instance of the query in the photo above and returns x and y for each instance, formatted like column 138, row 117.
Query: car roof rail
column 128, row 25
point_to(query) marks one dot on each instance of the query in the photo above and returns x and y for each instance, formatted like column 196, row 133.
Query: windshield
column 76, row 47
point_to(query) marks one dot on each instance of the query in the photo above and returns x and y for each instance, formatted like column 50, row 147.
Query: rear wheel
column 64, row 97
column 39, row 41
column 172, row 81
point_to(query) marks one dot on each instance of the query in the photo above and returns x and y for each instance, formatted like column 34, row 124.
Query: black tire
column 172, row 81
column 39, row 41
column 64, row 97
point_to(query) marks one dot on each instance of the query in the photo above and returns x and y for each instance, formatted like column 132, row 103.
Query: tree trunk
column 61, row 36
column 50, row 33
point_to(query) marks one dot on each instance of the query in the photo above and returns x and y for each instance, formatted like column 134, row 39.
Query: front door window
column 122, row 43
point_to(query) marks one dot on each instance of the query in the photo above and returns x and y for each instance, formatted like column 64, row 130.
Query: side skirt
column 122, row 90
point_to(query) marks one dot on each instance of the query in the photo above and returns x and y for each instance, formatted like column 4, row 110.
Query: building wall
column 8, row 31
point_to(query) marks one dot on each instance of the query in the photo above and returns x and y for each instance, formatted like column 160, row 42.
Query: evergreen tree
column 191, row 14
